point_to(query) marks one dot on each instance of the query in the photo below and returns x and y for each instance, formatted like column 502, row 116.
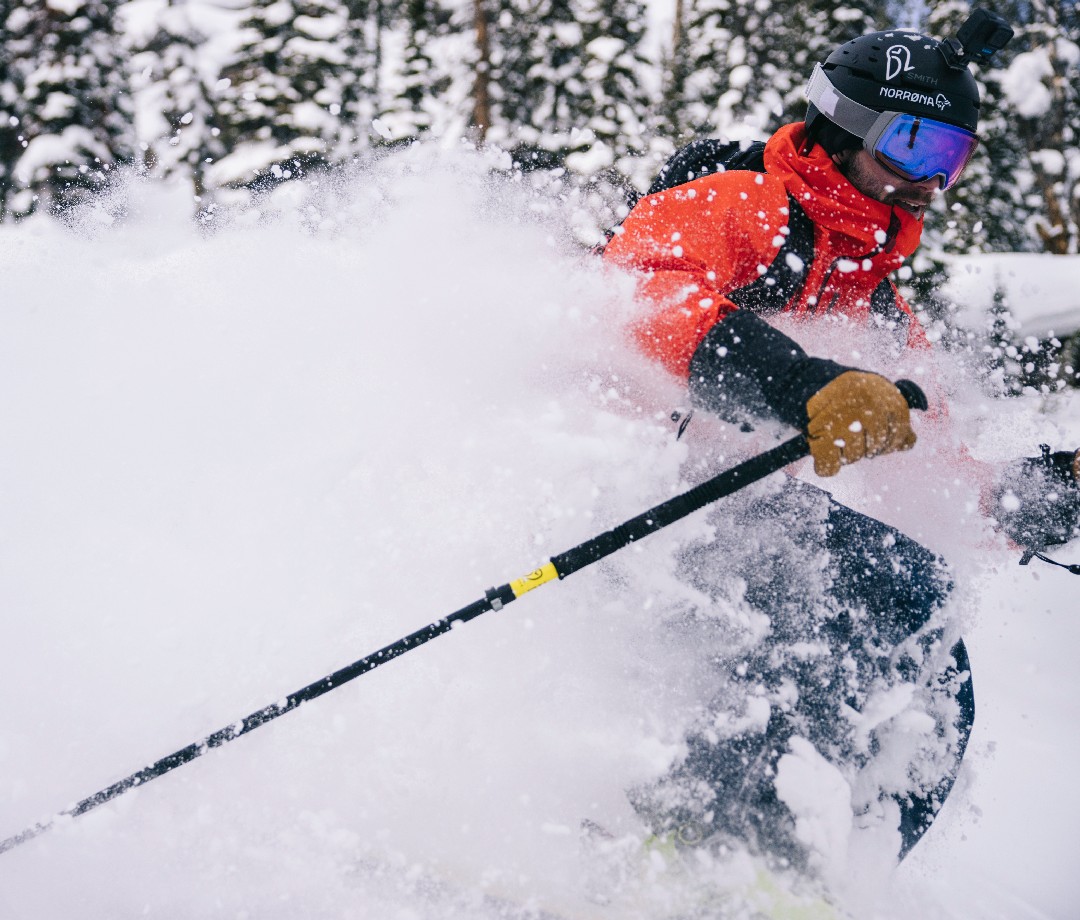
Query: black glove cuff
column 805, row 378
column 744, row 368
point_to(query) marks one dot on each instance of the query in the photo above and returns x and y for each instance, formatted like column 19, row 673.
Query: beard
column 875, row 181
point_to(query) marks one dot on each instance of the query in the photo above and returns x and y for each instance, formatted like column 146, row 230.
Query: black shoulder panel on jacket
column 787, row 273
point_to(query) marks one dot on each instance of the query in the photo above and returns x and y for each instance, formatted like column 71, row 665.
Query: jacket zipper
column 885, row 246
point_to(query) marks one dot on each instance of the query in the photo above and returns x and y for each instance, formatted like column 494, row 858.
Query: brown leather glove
column 856, row 415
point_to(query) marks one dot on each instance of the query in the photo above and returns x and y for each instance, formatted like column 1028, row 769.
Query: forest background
column 238, row 100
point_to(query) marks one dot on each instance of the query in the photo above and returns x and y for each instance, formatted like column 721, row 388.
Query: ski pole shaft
column 249, row 723
column 558, row 567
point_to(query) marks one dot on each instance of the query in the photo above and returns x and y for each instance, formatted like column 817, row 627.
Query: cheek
column 867, row 181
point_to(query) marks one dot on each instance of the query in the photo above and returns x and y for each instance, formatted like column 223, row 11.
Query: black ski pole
column 557, row 567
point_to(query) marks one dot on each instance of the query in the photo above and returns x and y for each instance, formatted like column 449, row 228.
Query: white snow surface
column 237, row 461
column 1040, row 290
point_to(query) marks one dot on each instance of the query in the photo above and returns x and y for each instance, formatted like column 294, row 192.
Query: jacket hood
column 833, row 203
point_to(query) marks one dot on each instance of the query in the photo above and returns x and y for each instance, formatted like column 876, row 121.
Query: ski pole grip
column 912, row 392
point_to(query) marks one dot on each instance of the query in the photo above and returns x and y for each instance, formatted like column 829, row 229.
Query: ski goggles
column 918, row 149
column 910, row 146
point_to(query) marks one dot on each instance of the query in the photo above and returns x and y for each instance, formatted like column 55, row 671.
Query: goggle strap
column 852, row 116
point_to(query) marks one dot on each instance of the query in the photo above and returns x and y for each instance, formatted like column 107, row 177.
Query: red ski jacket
column 718, row 255
column 798, row 238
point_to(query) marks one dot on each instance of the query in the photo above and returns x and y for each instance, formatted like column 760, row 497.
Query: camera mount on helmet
column 982, row 36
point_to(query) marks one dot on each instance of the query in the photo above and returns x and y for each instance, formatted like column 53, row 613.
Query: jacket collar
column 833, row 203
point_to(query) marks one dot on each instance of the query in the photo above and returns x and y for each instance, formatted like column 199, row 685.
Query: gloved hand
column 1038, row 499
column 856, row 415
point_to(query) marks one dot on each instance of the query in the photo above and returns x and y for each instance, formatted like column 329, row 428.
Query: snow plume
column 247, row 458
column 246, row 451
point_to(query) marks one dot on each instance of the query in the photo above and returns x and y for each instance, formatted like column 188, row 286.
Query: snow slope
column 235, row 462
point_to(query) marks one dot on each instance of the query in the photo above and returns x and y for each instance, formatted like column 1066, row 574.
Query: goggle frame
column 949, row 173
column 871, row 126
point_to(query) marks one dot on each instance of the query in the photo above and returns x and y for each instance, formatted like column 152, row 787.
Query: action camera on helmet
column 977, row 40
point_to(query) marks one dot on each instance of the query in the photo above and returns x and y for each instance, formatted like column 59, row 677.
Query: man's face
column 875, row 181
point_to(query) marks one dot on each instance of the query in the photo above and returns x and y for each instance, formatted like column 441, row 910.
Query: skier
column 812, row 230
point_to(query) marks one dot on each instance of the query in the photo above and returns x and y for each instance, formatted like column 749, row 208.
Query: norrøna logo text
column 897, row 61
column 939, row 101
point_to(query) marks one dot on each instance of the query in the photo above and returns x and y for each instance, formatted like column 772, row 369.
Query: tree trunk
column 678, row 27
column 675, row 72
column 1057, row 226
column 481, row 87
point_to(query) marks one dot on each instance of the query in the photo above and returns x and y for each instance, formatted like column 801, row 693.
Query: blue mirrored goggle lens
column 921, row 148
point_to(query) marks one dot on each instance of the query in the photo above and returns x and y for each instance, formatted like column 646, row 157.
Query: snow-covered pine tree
column 1000, row 201
column 616, row 111
column 748, row 61
column 11, row 145
column 617, row 152
column 422, row 21
column 537, row 85
column 1002, row 370
column 66, row 94
column 985, row 211
column 1021, row 191
column 281, row 102
column 807, row 34
column 696, row 74
column 174, row 113
column 1041, row 89
column 674, row 69
column 429, row 88
column 365, row 93
column 1037, row 92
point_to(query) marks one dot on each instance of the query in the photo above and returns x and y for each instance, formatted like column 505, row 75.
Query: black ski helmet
column 904, row 71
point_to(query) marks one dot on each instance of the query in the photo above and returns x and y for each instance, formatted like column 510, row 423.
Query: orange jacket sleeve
column 692, row 245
